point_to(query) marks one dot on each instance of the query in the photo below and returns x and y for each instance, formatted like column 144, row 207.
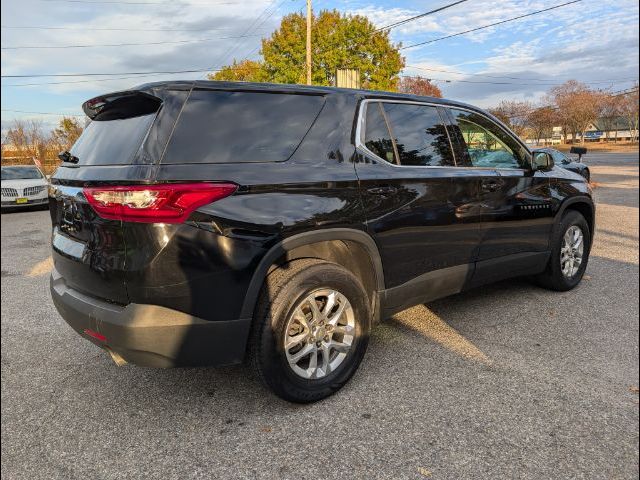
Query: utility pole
column 309, row 15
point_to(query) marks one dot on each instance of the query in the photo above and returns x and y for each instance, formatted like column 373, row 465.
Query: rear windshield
column 230, row 127
column 111, row 142
column 20, row 173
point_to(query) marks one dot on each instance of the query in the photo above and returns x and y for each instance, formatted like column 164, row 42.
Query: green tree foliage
column 337, row 40
column 244, row 71
column 66, row 133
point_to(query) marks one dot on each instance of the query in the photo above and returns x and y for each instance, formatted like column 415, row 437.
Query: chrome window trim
column 360, row 126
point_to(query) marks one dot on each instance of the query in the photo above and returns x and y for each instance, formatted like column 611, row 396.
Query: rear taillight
column 165, row 203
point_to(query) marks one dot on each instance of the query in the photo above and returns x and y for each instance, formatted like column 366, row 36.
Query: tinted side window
column 486, row 144
column 231, row 127
column 420, row 135
column 377, row 137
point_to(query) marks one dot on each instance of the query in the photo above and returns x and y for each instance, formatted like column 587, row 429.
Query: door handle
column 387, row 190
column 492, row 185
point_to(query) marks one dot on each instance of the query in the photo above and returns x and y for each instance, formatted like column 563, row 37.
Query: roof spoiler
column 121, row 105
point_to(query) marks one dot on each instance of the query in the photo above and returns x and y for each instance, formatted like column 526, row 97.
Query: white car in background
column 22, row 186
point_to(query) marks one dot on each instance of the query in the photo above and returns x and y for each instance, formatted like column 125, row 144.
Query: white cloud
column 590, row 41
column 230, row 20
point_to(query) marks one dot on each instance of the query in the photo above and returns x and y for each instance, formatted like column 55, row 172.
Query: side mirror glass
column 542, row 161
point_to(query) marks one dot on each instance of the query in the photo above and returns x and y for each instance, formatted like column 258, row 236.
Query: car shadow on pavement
column 30, row 208
column 233, row 384
column 460, row 328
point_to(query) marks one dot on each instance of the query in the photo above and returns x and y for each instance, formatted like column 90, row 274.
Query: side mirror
column 579, row 151
column 542, row 161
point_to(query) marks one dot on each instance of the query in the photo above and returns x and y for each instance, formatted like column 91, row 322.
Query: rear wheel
column 311, row 330
column 570, row 248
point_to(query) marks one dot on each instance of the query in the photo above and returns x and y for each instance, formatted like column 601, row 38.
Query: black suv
column 205, row 223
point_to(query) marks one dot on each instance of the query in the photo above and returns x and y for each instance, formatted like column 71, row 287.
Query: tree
column 629, row 106
column 3, row 143
column 541, row 121
column 338, row 41
column 66, row 133
column 609, row 112
column 578, row 106
column 419, row 86
column 244, row 71
column 28, row 139
column 514, row 114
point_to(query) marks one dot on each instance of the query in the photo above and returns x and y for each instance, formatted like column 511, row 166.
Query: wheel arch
column 583, row 205
column 351, row 248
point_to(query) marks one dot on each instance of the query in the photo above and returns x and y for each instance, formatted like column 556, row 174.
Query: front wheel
column 570, row 248
column 311, row 329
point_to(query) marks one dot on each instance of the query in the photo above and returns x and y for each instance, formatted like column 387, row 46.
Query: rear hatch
column 89, row 251
column 121, row 200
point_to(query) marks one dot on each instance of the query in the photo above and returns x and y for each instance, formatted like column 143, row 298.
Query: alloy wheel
column 319, row 333
column 572, row 251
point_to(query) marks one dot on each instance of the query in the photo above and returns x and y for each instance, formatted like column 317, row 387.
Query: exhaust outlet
column 117, row 359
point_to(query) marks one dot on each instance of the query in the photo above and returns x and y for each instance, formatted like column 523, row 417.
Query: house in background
column 602, row 130
column 612, row 130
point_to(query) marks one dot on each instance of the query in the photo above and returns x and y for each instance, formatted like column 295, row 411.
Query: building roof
column 618, row 123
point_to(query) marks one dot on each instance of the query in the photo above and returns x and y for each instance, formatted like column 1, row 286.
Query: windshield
column 20, row 173
column 559, row 157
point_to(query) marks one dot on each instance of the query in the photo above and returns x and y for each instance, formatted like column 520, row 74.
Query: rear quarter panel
column 204, row 267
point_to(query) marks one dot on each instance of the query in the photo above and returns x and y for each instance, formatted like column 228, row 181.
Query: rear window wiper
column 67, row 157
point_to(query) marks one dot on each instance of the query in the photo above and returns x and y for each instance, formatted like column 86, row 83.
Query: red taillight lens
column 161, row 203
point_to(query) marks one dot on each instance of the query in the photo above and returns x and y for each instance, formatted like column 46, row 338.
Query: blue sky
column 594, row 41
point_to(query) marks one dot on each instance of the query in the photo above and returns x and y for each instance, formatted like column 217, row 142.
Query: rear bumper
column 150, row 335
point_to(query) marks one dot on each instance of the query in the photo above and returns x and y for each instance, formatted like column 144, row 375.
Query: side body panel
column 518, row 215
column 422, row 218
column 515, row 206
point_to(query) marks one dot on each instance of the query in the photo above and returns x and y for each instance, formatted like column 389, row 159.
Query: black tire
column 284, row 288
column 552, row 277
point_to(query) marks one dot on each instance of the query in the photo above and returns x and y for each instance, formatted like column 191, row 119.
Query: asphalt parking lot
column 507, row 381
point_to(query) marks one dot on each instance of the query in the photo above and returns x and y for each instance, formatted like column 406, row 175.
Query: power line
column 543, row 82
column 77, row 81
column 490, row 25
column 43, row 113
column 234, row 48
column 472, row 74
column 119, row 2
column 411, row 19
column 92, row 74
column 624, row 92
column 517, row 83
column 100, row 29
column 618, row 93
column 200, row 40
